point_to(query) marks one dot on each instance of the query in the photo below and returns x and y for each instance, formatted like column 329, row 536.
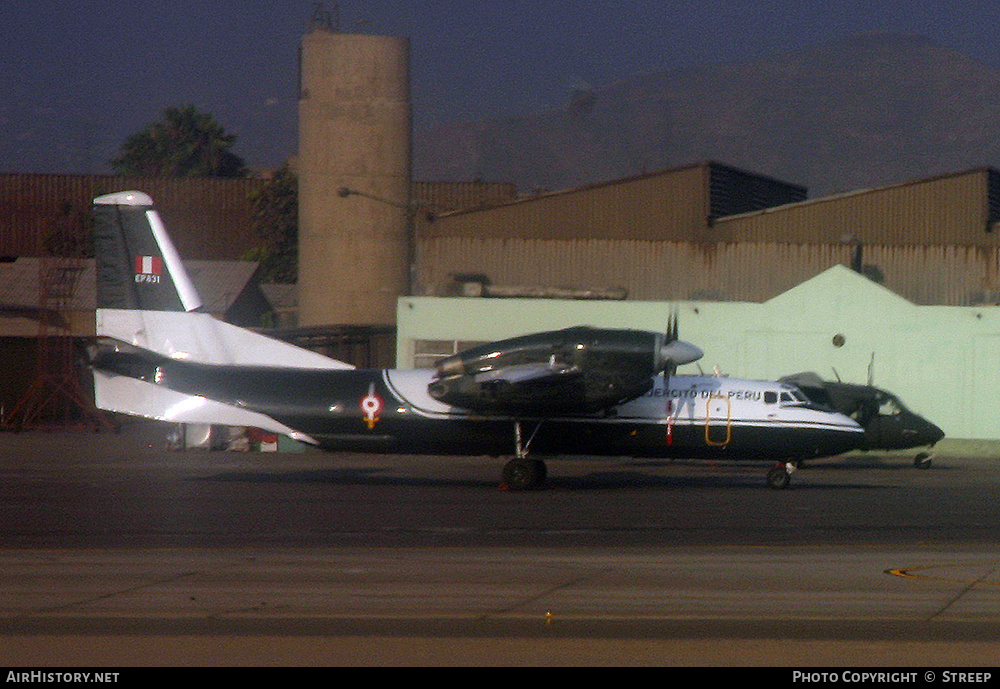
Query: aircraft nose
column 933, row 433
column 924, row 432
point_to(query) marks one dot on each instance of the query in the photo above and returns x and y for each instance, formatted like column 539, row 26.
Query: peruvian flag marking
column 148, row 265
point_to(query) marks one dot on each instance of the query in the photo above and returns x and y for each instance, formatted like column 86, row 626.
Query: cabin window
column 770, row 397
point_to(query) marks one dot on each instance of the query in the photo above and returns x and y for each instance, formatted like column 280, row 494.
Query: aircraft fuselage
column 391, row 411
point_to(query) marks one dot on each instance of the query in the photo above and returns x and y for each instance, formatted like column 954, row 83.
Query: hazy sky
column 76, row 78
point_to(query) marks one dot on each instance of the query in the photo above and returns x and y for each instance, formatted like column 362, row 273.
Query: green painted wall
column 943, row 361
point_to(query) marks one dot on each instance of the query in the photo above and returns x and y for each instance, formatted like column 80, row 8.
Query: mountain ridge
column 866, row 111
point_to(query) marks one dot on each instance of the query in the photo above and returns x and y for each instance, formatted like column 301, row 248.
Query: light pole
column 410, row 209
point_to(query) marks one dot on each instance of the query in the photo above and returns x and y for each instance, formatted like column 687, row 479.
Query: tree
column 185, row 143
column 276, row 223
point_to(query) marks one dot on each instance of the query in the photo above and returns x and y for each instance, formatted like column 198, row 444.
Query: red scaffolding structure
column 56, row 398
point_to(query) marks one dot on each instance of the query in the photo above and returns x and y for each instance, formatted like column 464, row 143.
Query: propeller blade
column 671, row 333
column 674, row 352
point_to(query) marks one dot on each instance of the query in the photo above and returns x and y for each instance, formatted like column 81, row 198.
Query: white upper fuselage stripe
column 410, row 387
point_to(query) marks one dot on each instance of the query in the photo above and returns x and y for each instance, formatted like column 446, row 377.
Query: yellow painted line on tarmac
column 918, row 573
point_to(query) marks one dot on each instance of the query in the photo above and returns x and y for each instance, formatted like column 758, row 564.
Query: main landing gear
column 780, row 476
column 522, row 473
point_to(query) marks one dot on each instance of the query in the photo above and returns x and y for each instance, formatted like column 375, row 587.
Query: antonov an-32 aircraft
column 579, row 391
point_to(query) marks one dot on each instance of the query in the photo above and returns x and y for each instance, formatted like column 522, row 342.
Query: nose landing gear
column 780, row 476
column 524, row 474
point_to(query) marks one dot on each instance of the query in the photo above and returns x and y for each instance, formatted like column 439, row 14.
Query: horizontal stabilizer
column 136, row 397
column 202, row 338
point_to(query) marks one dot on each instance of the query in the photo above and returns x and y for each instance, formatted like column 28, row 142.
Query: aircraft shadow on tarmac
column 346, row 476
column 870, row 462
column 641, row 475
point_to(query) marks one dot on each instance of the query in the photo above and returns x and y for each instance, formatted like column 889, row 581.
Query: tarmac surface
column 117, row 552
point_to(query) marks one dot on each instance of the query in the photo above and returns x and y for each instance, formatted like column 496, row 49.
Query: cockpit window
column 793, row 396
column 889, row 406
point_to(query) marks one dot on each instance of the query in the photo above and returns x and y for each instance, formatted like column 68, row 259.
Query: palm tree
column 185, row 143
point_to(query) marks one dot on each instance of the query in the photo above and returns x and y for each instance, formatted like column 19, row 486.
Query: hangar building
column 677, row 234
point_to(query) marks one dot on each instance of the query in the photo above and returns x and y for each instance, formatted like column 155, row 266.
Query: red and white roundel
column 371, row 406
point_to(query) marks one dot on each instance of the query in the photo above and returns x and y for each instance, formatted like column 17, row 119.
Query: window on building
column 426, row 352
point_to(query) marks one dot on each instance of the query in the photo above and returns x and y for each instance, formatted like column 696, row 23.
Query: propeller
column 673, row 352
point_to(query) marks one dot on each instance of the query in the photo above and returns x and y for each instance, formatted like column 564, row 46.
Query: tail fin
column 137, row 264
column 146, row 299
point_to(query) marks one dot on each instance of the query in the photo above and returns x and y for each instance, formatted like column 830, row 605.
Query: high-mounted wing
column 572, row 371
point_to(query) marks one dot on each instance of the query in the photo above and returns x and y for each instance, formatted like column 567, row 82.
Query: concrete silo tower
column 354, row 178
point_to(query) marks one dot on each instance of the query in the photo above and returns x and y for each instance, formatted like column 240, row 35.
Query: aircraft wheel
column 523, row 474
column 778, row 478
column 922, row 460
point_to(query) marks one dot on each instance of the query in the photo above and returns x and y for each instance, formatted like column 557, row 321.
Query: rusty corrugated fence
column 737, row 271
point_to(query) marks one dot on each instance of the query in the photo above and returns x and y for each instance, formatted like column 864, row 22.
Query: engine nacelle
column 577, row 370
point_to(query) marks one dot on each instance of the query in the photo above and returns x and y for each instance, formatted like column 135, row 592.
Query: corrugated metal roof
column 673, row 204
column 952, row 209
column 446, row 197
